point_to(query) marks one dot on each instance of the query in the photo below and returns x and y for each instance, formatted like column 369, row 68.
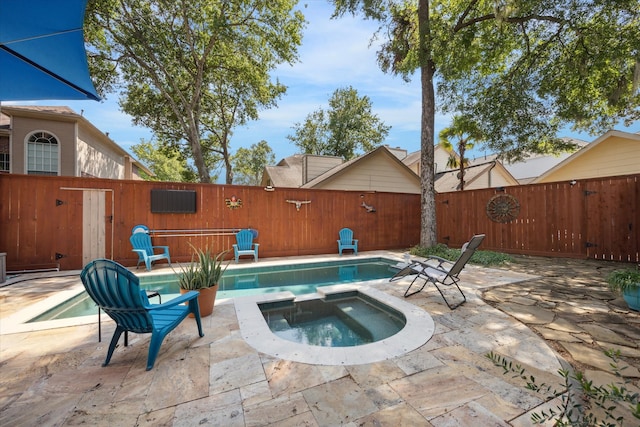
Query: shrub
column 579, row 397
column 486, row 258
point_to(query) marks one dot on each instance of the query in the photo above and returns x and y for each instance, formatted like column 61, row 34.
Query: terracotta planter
column 206, row 300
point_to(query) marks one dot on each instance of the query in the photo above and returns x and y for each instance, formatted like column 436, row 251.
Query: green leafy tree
column 249, row 163
column 523, row 68
column 461, row 136
column 345, row 129
column 166, row 163
column 192, row 70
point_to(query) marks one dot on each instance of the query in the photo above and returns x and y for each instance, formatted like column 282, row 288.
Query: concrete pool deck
column 531, row 311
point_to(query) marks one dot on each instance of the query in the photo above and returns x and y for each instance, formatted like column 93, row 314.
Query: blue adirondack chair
column 244, row 245
column 141, row 242
column 347, row 241
column 117, row 292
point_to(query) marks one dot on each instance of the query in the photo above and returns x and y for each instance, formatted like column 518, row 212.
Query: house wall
column 96, row 160
column 314, row 166
column 494, row 177
column 374, row 173
column 614, row 156
column 440, row 158
column 64, row 131
column 415, row 167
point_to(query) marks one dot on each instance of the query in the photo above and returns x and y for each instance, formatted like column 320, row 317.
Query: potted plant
column 627, row 282
column 203, row 275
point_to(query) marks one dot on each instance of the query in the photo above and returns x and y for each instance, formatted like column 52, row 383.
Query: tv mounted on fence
column 173, row 201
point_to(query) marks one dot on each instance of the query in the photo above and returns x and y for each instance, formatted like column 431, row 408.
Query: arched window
column 42, row 154
column 4, row 154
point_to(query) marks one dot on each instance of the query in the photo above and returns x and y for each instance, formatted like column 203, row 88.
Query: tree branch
column 460, row 25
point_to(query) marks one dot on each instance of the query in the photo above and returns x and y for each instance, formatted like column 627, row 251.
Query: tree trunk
column 227, row 162
column 198, row 160
column 428, row 228
column 461, row 149
column 193, row 138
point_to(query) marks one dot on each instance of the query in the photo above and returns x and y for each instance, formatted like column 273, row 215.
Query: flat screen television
column 173, row 201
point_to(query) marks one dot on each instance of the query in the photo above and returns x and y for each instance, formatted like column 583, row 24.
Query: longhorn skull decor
column 299, row 203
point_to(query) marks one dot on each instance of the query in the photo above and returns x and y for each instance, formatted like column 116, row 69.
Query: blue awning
column 42, row 53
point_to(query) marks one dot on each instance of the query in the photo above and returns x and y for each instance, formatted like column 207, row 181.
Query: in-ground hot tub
column 343, row 319
column 417, row 330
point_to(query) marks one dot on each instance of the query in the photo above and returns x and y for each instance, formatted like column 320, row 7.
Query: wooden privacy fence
column 63, row 222
column 591, row 218
column 58, row 222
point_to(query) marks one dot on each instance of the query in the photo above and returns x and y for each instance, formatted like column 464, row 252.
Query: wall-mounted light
column 500, row 189
column 269, row 188
column 573, row 182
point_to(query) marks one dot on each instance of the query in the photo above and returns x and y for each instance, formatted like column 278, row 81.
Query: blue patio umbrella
column 42, row 53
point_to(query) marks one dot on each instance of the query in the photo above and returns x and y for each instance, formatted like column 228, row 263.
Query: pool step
column 277, row 322
column 378, row 323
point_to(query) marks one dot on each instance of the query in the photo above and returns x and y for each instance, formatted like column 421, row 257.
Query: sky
column 334, row 54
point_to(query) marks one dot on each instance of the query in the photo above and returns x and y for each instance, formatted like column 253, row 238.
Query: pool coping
column 255, row 331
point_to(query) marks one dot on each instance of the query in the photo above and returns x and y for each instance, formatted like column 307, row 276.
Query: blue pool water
column 346, row 321
column 297, row 278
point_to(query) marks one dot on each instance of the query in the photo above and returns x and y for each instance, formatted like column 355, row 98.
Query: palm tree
column 466, row 132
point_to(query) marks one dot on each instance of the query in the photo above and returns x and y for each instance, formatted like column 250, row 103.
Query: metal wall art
column 503, row 208
column 298, row 203
column 369, row 208
column 233, row 202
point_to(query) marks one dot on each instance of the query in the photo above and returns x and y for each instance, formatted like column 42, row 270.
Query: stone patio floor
column 539, row 312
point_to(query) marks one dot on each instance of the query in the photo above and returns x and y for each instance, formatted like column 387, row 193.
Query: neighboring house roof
column 294, row 171
column 488, row 174
column 440, row 159
column 378, row 170
column 614, row 153
column 412, row 159
column 525, row 171
column 63, row 113
column 287, row 173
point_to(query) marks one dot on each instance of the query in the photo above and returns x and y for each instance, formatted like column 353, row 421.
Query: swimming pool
column 300, row 279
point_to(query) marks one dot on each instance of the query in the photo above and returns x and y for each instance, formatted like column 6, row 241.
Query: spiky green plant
column 204, row 270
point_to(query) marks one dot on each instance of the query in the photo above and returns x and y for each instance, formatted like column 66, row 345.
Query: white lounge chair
column 440, row 271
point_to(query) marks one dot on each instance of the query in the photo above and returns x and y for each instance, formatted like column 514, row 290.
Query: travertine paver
column 338, row 402
column 597, row 359
column 54, row 377
column 529, row 313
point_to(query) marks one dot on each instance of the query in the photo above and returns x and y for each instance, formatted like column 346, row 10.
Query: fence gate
column 612, row 220
column 93, row 226
column 97, row 223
